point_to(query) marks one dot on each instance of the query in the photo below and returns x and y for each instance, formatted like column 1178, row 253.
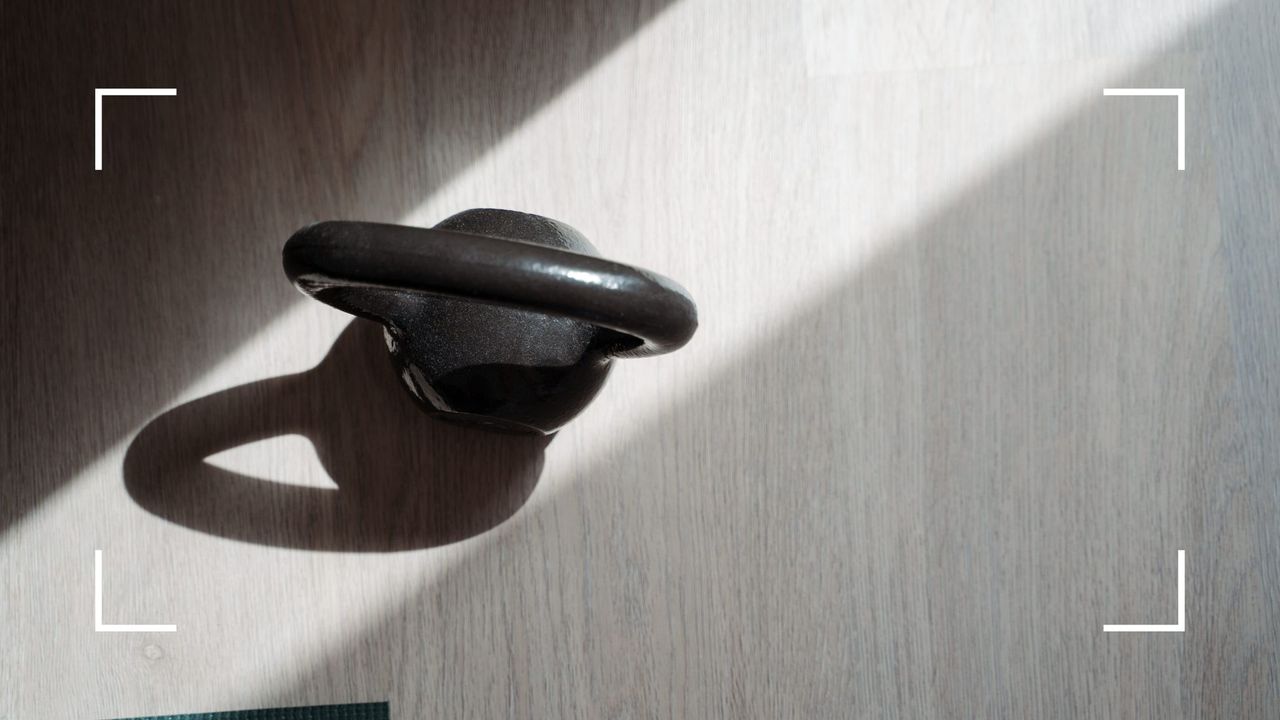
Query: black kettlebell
column 494, row 317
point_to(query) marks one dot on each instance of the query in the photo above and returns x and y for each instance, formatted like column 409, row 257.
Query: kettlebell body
column 497, row 318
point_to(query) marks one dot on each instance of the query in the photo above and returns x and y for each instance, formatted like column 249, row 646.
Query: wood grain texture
column 975, row 361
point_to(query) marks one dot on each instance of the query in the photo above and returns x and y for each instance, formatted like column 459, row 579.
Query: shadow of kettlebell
column 404, row 479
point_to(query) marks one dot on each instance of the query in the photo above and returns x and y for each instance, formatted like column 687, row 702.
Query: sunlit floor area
column 976, row 360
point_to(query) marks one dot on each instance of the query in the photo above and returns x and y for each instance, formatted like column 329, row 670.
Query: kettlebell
column 496, row 318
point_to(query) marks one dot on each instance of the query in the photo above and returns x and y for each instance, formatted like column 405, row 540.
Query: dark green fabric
column 363, row 711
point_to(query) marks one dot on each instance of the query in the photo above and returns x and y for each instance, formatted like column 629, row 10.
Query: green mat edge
column 356, row 711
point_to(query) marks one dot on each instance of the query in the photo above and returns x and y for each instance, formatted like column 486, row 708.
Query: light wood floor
column 975, row 361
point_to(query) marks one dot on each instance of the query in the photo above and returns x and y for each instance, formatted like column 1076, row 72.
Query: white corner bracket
column 97, row 606
column 1181, row 94
column 98, row 94
column 1182, row 606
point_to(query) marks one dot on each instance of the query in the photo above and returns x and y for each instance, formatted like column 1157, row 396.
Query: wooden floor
column 976, row 360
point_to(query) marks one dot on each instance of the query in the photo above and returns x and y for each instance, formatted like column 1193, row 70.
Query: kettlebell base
column 486, row 422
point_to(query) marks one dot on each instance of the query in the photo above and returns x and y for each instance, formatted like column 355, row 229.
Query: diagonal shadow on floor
column 286, row 113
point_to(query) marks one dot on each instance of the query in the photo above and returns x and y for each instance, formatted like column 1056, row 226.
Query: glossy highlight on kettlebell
column 493, row 317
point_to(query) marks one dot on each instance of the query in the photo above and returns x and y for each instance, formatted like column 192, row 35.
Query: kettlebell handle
column 653, row 312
